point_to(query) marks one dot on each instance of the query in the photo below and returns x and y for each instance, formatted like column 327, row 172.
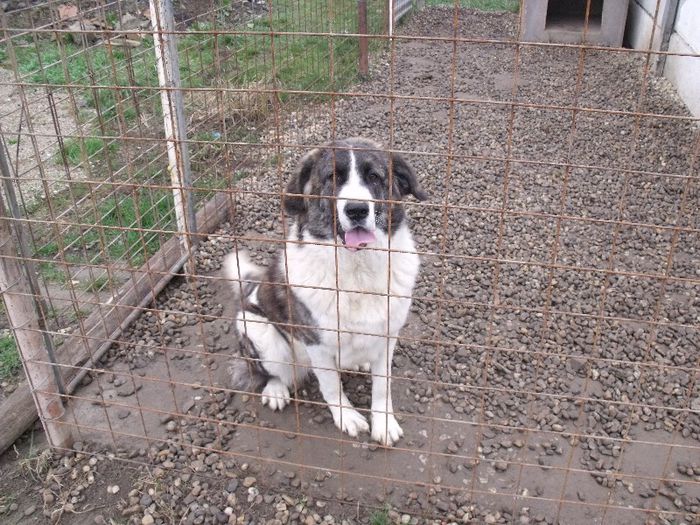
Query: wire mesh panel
column 547, row 368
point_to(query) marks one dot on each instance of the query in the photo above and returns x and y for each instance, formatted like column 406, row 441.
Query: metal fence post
column 167, row 60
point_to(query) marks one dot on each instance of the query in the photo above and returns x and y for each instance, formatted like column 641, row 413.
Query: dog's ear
column 294, row 203
column 405, row 178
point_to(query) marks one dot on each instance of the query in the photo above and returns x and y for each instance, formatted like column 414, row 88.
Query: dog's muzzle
column 358, row 236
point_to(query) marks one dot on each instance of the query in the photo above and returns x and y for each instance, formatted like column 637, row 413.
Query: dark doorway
column 571, row 14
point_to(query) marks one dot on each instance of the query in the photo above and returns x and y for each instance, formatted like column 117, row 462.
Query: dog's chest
column 364, row 292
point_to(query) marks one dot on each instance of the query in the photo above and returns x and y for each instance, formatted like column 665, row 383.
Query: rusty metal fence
column 549, row 368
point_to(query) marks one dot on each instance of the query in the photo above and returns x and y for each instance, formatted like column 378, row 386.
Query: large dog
column 323, row 304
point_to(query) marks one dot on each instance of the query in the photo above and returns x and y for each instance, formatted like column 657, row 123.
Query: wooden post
column 362, row 30
column 167, row 61
column 24, row 318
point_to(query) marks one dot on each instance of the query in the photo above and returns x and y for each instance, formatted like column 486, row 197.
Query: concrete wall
column 684, row 72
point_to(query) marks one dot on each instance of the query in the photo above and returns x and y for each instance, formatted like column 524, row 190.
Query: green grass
column 50, row 272
column 107, row 76
column 77, row 151
column 300, row 62
column 380, row 517
column 10, row 362
column 97, row 284
column 122, row 224
column 512, row 6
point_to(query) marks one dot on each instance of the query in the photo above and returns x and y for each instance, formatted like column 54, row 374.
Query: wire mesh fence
column 548, row 368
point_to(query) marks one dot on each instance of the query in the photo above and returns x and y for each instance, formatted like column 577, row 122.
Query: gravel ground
column 512, row 415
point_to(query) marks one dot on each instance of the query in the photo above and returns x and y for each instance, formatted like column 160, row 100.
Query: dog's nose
column 357, row 211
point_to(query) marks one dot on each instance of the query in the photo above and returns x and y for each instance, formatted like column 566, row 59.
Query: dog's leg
column 385, row 428
column 345, row 367
column 346, row 418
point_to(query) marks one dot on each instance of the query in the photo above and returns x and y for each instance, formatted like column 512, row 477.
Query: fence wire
column 548, row 371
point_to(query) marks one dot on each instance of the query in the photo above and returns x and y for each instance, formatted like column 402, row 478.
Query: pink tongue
column 357, row 237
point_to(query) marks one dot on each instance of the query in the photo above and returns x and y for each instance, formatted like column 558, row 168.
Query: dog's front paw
column 351, row 421
column 385, row 428
column 275, row 394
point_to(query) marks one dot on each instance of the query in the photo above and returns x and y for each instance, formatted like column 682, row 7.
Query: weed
column 74, row 154
column 5, row 504
column 37, row 465
column 380, row 517
column 52, row 273
column 10, row 362
column 112, row 18
column 97, row 284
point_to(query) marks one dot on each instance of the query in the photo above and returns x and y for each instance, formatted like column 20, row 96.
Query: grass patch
column 52, row 273
column 123, row 227
column 77, row 151
column 10, row 362
column 299, row 62
column 380, row 517
column 512, row 6
column 97, row 284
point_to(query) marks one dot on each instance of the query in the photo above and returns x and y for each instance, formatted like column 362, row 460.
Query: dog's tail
column 247, row 374
column 246, row 371
column 239, row 269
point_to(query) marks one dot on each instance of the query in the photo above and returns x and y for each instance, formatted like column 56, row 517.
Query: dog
column 322, row 304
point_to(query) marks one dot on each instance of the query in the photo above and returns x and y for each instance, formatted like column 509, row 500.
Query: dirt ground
column 575, row 417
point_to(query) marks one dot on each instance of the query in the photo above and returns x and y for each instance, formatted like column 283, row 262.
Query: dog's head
column 342, row 189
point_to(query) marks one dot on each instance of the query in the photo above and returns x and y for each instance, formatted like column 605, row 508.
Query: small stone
column 30, row 510
column 147, row 520
column 249, row 481
column 501, row 466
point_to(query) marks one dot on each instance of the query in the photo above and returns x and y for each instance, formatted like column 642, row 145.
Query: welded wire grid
column 263, row 83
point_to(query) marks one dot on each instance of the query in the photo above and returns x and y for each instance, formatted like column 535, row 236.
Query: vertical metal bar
column 24, row 316
column 362, row 30
column 167, row 61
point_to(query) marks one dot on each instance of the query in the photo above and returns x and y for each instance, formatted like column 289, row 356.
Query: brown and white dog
column 323, row 305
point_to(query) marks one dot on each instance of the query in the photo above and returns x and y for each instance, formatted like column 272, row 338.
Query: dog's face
column 341, row 190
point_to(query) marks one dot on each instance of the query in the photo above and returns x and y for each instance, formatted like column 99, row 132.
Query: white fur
column 358, row 320
column 355, row 190
column 356, row 323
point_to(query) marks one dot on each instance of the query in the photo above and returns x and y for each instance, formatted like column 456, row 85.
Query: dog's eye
column 373, row 176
